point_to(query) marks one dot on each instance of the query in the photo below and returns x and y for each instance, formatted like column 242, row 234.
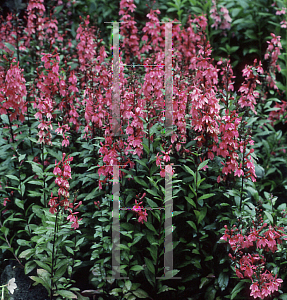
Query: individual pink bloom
column 239, row 172
column 238, row 273
column 65, row 142
column 255, row 292
column 5, row 201
column 142, row 216
column 248, row 272
column 281, row 12
column 137, row 207
column 57, row 171
column 262, row 242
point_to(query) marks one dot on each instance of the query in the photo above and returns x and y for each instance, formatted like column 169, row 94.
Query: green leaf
column 151, row 203
column 203, row 281
column 239, row 286
column 137, row 268
column 210, row 293
column 27, row 253
column 12, row 177
column 141, row 162
column 268, row 215
column 19, row 203
column 66, row 294
column 80, row 241
column 141, row 294
column 43, row 265
column 205, row 196
column 192, row 189
column 10, row 47
column 189, row 171
column 192, row 224
column 29, row 266
column 146, row 149
column 40, row 280
column 38, row 182
column 128, row 285
column 35, row 194
column 150, row 227
column 153, row 251
column 37, row 169
column 115, row 291
column 189, row 200
column 165, row 288
column 203, row 164
column 124, row 247
column 149, row 265
column 201, row 215
column 223, row 280
column 58, row 9
column 59, row 273
column 140, row 181
column 154, row 193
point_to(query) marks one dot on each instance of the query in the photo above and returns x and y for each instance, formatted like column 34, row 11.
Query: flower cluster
column 128, row 29
column 252, row 265
column 272, row 53
column 7, row 32
column 221, row 18
column 165, row 158
column 63, row 172
column 247, row 90
column 139, row 210
column 86, row 46
column 43, row 28
column 48, row 86
column 60, row 130
column 35, row 22
column 229, row 145
column 13, row 93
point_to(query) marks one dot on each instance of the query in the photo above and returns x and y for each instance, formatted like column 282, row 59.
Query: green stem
column 10, row 245
column 242, row 182
column 157, row 255
column 53, row 256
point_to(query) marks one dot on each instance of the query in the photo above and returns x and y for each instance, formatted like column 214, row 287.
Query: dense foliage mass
column 93, row 138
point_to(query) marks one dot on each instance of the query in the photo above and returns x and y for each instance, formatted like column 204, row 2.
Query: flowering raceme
column 142, row 215
column 48, row 86
column 128, row 29
column 62, row 171
column 248, row 93
column 13, row 93
column 221, row 18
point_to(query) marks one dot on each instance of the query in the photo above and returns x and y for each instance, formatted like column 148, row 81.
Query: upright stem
column 157, row 255
column 241, row 191
column 196, row 176
column 17, row 40
column 42, row 158
column 53, row 256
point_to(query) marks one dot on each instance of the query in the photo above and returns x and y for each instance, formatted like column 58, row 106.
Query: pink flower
column 142, row 216
column 255, row 292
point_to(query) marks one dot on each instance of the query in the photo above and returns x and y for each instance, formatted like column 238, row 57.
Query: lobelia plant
column 53, row 263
